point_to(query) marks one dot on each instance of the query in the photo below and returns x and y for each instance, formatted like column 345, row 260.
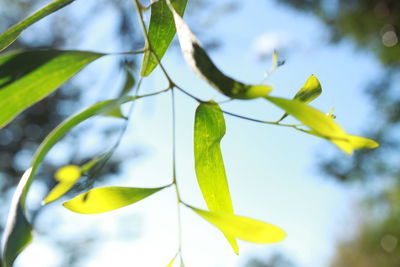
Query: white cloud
column 265, row 44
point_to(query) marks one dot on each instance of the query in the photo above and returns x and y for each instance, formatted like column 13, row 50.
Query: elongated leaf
column 348, row 143
column 322, row 125
column 202, row 65
column 18, row 232
column 310, row 90
column 17, row 222
column 106, row 199
column 9, row 36
column 161, row 32
column 28, row 77
column 67, row 176
column 209, row 129
column 244, row 228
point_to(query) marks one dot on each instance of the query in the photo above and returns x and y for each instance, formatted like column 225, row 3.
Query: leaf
column 67, row 177
column 171, row 263
column 275, row 59
column 17, row 220
column 348, row 143
column 209, row 129
column 310, row 90
column 9, row 36
column 106, row 199
column 129, row 83
column 18, row 231
column 28, row 77
column 197, row 58
column 322, row 125
column 115, row 113
column 244, row 228
column 161, row 32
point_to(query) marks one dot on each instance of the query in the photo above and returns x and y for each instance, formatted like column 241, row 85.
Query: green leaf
column 244, row 228
column 28, row 77
column 9, row 36
column 209, row 129
column 129, row 83
column 115, row 113
column 310, row 90
column 322, row 125
column 106, row 199
column 17, row 220
column 202, row 65
column 18, row 231
column 67, row 177
column 161, row 32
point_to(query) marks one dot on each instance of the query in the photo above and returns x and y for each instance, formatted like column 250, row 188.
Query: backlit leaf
column 18, row 231
column 171, row 263
column 244, row 228
column 202, row 65
column 28, row 77
column 9, row 36
column 115, row 113
column 209, row 129
column 161, row 32
column 322, row 125
column 310, row 90
column 66, row 176
column 106, row 199
column 275, row 59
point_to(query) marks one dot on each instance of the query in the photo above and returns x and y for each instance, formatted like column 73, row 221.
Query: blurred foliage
column 374, row 26
column 276, row 260
column 371, row 24
column 377, row 242
column 19, row 140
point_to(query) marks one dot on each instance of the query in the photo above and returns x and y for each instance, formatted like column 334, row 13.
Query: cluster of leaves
column 28, row 77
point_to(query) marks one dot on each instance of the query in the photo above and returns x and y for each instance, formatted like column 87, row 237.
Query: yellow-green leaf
column 171, row 263
column 202, row 65
column 275, row 59
column 28, row 77
column 115, row 113
column 106, row 199
column 244, row 228
column 322, row 125
column 66, row 177
column 161, row 32
column 310, row 90
column 209, row 129
column 10, row 35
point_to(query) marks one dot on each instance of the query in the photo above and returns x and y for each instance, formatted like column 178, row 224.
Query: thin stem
column 134, row 52
column 189, row 94
column 174, row 179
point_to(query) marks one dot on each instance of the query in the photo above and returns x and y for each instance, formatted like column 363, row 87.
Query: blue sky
column 271, row 170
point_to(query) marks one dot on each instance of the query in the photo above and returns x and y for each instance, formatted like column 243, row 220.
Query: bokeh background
column 337, row 210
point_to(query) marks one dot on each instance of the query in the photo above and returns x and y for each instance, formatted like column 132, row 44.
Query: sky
column 271, row 170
